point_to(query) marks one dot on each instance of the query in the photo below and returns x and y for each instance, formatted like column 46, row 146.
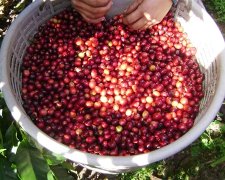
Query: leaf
column 196, row 150
column 61, row 173
column 23, row 135
column 11, row 137
column 218, row 161
column 21, row 5
column 222, row 128
column 2, row 101
column 220, row 114
column 216, row 127
column 68, row 166
column 1, row 138
column 32, row 141
column 30, row 163
column 51, row 175
column 6, row 172
column 206, row 141
column 5, row 120
column 2, row 150
column 52, row 158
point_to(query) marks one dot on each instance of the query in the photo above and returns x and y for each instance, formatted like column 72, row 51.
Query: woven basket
column 204, row 35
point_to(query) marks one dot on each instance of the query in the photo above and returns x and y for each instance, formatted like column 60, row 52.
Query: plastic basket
column 204, row 35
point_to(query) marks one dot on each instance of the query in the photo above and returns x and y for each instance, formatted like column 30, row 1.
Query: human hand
column 142, row 14
column 92, row 11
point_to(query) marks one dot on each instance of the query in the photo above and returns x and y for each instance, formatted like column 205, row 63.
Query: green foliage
column 52, row 158
column 217, row 7
column 30, row 163
column 142, row 174
column 21, row 5
column 6, row 171
column 60, row 172
column 11, row 138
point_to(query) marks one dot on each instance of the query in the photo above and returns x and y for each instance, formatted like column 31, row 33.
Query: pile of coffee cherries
column 105, row 89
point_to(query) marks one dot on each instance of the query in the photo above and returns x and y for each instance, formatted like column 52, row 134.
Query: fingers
column 92, row 14
column 133, row 7
column 91, row 20
column 149, row 24
column 92, row 9
column 144, row 22
column 143, row 14
column 140, row 23
column 96, row 3
column 132, row 17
